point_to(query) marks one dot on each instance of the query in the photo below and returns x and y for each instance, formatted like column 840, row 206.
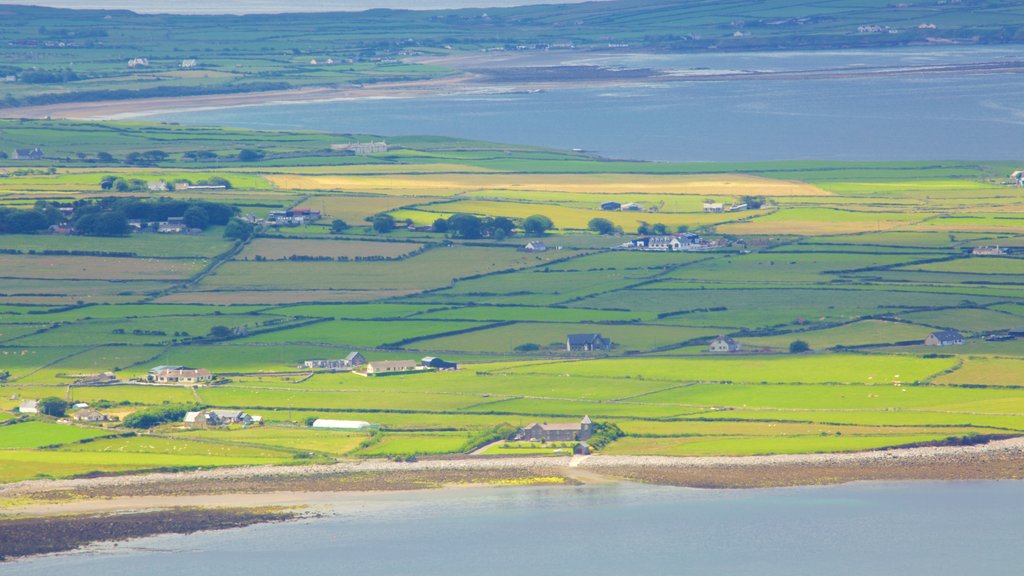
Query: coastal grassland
column 176, row 446
column 551, row 336
column 840, row 368
column 988, row 371
column 333, row 442
column 96, row 268
column 853, row 334
column 365, row 333
column 39, row 434
column 431, row 269
column 281, row 249
column 142, row 245
column 413, row 444
column 823, row 221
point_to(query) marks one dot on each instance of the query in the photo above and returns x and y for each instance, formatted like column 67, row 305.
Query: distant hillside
column 56, row 55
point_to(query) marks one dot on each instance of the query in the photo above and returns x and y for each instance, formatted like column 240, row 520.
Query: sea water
column 944, row 116
column 906, row 529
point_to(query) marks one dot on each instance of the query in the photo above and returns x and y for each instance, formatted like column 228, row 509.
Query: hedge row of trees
column 465, row 226
column 110, row 216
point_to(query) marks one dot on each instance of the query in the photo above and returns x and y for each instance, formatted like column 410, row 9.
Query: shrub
column 798, row 346
column 52, row 406
column 155, row 415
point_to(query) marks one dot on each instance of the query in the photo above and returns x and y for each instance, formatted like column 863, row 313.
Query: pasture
column 860, row 261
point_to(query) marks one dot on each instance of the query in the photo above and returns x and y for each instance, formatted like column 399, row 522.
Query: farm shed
column 434, row 362
column 340, row 424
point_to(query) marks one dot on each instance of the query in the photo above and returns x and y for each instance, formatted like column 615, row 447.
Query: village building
column 101, row 379
column 610, row 205
column 188, row 63
column 179, row 375
column 1018, row 177
column 91, row 416
column 713, row 207
column 724, row 344
column 535, row 246
column 560, row 432
column 681, row 242
column 28, row 154
column 361, row 148
column 29, row 407
column 587, row 343
column 390, row 367
column 437, row 363
column 631, row 207
column 944, row 338
column 138, row 63
column 293, row 217
column 207, row 418
column 988, row 251
column 340, row 424
column 351, row 361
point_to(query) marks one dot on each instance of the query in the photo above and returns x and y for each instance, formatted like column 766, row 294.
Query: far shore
column 65, row 514
column 479, row 74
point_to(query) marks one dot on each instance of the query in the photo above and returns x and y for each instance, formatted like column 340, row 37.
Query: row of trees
column 465, row 226
column 121, row 184
column 605, row 226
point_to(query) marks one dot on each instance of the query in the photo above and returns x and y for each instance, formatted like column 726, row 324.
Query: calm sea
column 275, row 6
column 905, row 529
column 934, row 117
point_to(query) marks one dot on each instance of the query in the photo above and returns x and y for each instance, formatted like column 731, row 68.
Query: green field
column 859, row 260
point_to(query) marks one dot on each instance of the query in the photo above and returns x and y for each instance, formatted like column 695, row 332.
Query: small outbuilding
column 390, row 367
column 29, row 407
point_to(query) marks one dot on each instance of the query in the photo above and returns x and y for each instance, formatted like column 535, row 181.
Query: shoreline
column 186, row 502
column 477, row 76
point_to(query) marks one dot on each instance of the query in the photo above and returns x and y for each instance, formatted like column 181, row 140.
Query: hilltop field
column 859, row 261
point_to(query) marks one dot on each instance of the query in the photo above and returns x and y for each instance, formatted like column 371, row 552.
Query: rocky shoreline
column 41, row 516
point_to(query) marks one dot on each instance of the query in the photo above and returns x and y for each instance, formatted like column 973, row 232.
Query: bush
column 238, row 230
column 53, row 406
column 153, row 416
column 383, row 223
column 604, row 434
column 500, row 432
column 250, row 155
column 798, row 346
column 537, row 225
column 601, row 225
column 528, row 347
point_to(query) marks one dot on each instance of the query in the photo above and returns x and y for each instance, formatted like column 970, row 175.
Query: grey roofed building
column 28, row 154
column 434, row 362
column 560, row 432
column 586, row 343
column 355, row 359
column 944, row 338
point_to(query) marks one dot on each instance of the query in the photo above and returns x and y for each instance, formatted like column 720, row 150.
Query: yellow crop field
column 823, row 221
column 452, row 184
column 355, row 209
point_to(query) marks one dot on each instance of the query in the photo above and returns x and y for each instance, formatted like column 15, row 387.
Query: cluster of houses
column 611, row 205
column 143, row 62
column 293, row 217
column 28, row 154
column 179, row 375
column 989, row 251
column 361, row 148
column 173, row 225
column 718, row 207
column 353, row 360
column 387, row 367
column 83, row 413
column 681, row 242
